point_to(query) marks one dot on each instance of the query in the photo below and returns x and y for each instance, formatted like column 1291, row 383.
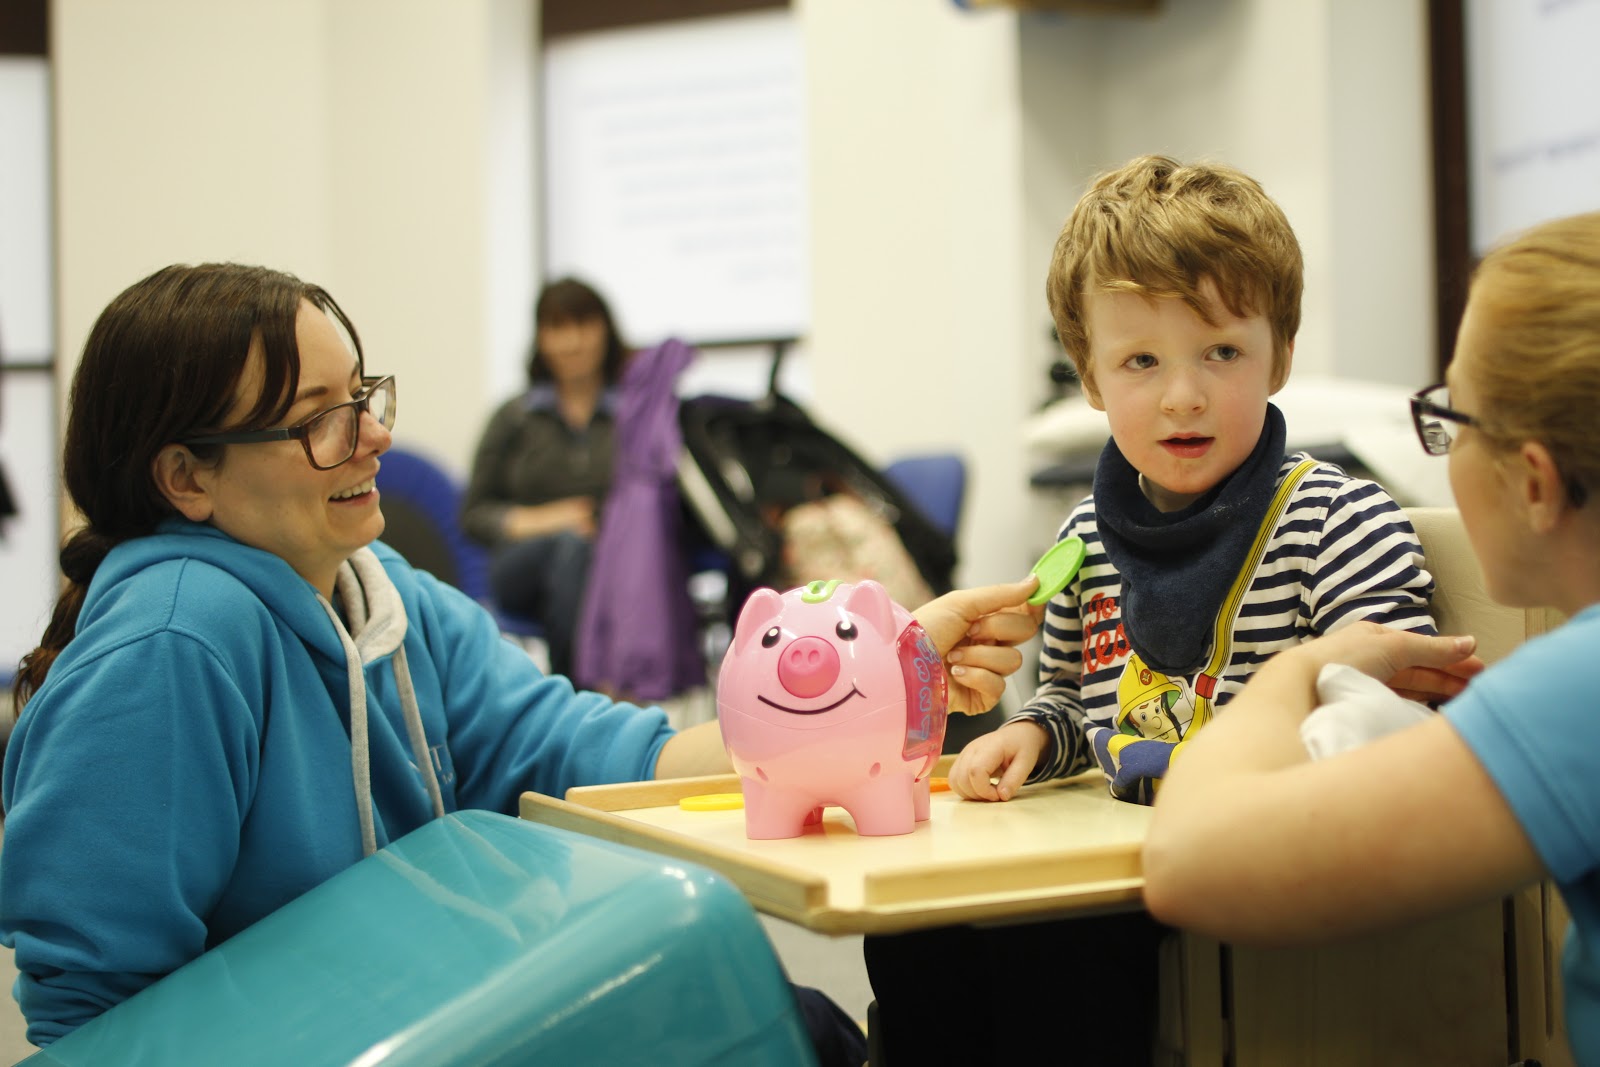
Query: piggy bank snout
column 808, row 667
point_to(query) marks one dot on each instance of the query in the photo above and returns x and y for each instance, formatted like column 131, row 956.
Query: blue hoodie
column 186, row 768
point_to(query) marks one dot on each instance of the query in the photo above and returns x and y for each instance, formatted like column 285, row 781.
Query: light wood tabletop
column 1056, row 849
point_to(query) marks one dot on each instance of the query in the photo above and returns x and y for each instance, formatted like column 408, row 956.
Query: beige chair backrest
column 1460, row 603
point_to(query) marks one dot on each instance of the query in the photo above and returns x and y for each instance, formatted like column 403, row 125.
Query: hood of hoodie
column 287, row 595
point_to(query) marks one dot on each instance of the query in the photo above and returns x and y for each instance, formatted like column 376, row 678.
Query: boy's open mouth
column 1187, row 447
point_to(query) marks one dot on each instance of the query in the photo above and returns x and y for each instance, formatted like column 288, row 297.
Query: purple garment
column 638, row 634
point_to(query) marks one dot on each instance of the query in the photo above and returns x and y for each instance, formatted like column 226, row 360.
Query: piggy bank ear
column 760, row 608
column 870, row 601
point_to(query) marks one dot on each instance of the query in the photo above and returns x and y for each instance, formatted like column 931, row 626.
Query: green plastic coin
column 1056, row 568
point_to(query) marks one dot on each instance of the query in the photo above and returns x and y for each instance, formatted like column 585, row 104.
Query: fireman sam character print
column 1154, row 714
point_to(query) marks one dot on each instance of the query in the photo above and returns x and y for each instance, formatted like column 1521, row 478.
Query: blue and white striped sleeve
column 1369, row 564
column 1057, row 703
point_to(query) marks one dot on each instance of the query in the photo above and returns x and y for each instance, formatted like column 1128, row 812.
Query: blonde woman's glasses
column 1436, row 422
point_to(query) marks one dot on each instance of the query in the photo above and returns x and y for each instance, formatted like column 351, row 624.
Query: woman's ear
column 179, row 477
column 1542, row 491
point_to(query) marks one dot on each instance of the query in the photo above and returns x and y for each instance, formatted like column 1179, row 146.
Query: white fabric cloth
column 1353, row 709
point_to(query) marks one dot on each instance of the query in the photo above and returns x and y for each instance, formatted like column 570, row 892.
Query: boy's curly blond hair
column 1161, row 228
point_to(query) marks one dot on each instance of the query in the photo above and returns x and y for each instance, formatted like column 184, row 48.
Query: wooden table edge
column 802, row 897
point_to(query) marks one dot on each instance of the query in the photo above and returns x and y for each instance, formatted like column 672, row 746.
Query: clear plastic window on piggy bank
column 927, row 700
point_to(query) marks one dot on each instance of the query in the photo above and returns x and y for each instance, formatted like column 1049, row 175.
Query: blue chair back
column 421, row 504
column 936, row 484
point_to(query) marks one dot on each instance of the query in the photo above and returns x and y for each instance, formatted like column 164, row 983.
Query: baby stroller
column 745, row 463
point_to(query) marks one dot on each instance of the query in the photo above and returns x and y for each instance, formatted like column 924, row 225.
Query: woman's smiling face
column 267, row 495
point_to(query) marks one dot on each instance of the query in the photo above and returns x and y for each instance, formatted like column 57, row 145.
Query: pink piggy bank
column 831, row 694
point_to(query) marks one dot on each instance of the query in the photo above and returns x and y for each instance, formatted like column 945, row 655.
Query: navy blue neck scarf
column 1177, row 566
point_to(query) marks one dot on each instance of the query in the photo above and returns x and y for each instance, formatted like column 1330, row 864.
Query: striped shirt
column 1343, row 551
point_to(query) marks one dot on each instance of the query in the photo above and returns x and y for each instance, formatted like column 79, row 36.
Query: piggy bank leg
column 773, row 813
column 921, row 801
column 814, row 816
column 883, row 807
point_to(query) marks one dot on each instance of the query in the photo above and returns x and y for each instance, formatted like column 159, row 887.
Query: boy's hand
column 975, row 631
column 1009, row 754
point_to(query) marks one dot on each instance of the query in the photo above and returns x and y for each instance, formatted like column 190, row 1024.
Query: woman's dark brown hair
column 569, row 300
column 162, row 364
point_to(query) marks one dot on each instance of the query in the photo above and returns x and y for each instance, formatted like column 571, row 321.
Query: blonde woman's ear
column 179, row 477
column 1543, row 491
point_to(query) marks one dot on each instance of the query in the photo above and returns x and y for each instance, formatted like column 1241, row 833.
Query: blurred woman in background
column 543, row 466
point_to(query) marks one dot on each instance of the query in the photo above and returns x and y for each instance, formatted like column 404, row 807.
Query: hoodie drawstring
column 360, row 754
column 419, row 739
column 378, row 618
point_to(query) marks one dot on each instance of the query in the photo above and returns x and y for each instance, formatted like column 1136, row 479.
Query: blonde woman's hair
column 1535, row 302
column 1161, row 228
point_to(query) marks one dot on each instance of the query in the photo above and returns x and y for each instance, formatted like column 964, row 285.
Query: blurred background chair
column 421, row 502
column 935, row 483
column 476, row 939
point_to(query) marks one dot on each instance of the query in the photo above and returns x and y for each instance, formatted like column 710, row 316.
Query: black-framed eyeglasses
column 330, row 436
column 1436, row 422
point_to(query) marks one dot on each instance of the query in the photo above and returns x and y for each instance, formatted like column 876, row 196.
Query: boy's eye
column 1143, row 361
column 1225, row 353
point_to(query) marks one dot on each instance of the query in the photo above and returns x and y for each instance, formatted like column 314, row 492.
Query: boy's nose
column 1183, row 392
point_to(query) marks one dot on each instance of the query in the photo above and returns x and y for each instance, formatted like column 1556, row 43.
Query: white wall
column 370, row 145
column 186, row 131
column 1323, row 101
column 367, row 145
column 949, row 146
column 921, row 300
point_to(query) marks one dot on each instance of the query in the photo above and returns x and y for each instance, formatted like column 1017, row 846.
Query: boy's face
column 1186, row 400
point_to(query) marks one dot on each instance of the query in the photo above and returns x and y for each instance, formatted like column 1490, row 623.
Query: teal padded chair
column 477, row 939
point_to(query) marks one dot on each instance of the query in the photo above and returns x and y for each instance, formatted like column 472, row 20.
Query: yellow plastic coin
column 712, row 802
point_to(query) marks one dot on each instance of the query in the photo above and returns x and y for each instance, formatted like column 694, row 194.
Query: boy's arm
column 1027, row 747
column 1368, row 565
column 1371, row 567
column 1047, row 739
column 1057, row 704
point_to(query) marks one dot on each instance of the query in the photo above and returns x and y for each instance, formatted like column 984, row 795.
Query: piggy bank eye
column 770, row 638
column 846, row 630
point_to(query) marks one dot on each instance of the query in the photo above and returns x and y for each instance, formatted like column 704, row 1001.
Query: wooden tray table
column 1056, row 849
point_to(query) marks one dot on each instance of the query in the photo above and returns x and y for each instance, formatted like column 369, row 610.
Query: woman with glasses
column 1251, row 842
column 241, row 693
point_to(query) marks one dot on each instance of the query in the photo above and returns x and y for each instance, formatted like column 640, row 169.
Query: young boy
column 1176, row 291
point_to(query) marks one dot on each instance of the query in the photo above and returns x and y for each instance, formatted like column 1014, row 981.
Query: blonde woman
column 1252, row 842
